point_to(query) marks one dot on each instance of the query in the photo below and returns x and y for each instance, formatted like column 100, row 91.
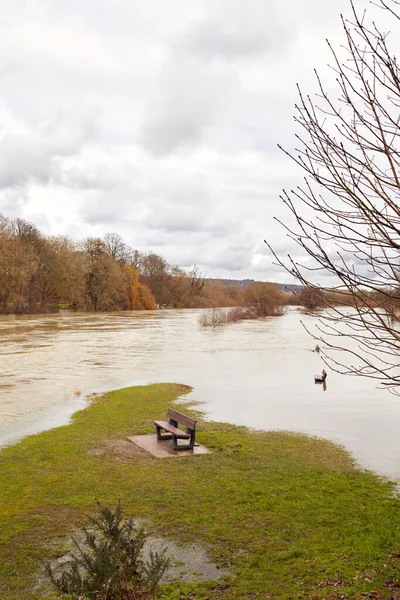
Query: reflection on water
column 255, row 373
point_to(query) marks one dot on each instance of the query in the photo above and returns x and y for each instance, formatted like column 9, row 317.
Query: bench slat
column 180, row 418
column 174, row 430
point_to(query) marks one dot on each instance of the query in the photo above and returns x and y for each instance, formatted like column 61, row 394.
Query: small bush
column 214, row 317
column 237, row 314
column 108, row 564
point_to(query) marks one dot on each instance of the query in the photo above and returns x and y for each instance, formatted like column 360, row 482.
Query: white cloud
column 32, row 155
column 158, row 120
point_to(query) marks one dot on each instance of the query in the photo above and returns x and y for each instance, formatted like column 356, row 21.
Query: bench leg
column 178, row 446
column 162, row 436
column 189, row 445
column 192, row 437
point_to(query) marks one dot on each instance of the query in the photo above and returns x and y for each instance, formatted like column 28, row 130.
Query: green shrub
column 108, row 564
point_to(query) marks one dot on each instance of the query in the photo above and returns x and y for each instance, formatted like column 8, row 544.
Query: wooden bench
column 176, row 418
column 320, row 378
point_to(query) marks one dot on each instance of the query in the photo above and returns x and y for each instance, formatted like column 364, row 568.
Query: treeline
column 41, row 273
column 318, row 298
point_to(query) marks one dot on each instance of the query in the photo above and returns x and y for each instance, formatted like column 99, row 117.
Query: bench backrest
column 180, row 418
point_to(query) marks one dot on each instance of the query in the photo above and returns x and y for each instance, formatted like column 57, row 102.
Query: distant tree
column 25, row 231
column 196, row 282
column 114, row 246
column 18, row 263
column 147, row 300
column 132, row 257
column 103, row 277
column 264, row 299
column 136, row 295
column 154, row 271
column 311, row 298
column 178, row 287
column 184, row 289
column 215, row 293
column 234, row 293
column 57, row 277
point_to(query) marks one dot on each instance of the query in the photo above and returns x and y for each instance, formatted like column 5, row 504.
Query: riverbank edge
column 269, row 505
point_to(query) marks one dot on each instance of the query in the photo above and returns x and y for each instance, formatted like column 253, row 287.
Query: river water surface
column 254, row 373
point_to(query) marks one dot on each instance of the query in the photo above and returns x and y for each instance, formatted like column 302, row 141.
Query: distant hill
column 244, row 283
column 290, row 287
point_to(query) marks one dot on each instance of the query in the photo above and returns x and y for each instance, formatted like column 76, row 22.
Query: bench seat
column 174, row 430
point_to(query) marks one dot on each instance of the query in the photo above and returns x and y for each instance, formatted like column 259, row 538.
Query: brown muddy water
column 254, row 373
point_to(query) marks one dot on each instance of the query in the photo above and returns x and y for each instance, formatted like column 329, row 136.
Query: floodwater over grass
column 287, row 515
column 254, row 373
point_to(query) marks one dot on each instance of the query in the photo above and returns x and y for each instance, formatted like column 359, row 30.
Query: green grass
column 290, row 515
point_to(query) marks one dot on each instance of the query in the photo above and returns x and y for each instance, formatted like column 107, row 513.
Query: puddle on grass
column 189, row 562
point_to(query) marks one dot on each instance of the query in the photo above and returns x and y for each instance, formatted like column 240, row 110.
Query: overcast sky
column 159, row 120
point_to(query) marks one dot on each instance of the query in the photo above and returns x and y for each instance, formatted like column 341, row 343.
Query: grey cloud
column 89, row 175
column 237, row 29
column 231, row 258
column 101, row 216
column 12, row 201
column 210, row 39
column 189, row 98
column 206, row 249
column 281, row 244
column 177, row 221
column 186, row 219
column 233, row 264
column 185, row 206
column 126, row 19
column 193, row 98
column 102, row 209
column 32, row 156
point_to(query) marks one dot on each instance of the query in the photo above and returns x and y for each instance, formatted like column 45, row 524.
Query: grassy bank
column 290, row 515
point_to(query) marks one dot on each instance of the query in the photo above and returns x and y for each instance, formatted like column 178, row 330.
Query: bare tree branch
column 347, row 212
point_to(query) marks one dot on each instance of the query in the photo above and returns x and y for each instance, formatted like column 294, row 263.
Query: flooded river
column 255, row 373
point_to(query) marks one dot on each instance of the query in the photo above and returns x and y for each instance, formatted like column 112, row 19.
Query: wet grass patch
column 290, row 516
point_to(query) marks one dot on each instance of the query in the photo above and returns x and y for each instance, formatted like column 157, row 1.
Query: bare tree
column 114, row 246
column 103, row 276
column 154, row 272
column 311, row 299
column 132, row 257
column 25, row 230
column 263, row 300
column 347, row 213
